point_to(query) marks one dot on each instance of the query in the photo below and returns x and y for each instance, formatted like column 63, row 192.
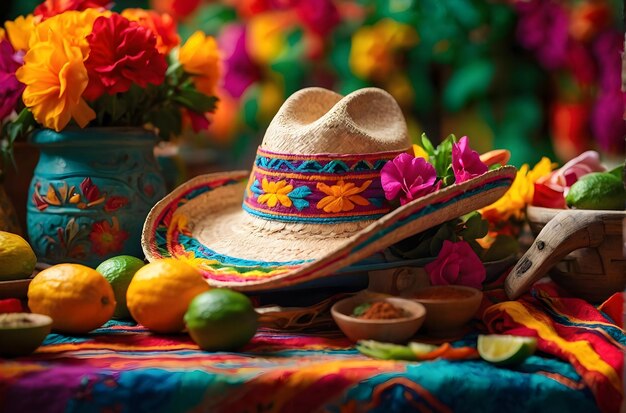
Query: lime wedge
column 503, row 349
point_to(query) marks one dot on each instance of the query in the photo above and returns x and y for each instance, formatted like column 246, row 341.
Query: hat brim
column 198, row 223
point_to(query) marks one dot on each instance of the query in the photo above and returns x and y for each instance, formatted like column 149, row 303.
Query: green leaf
column 194, row 100
column 427, row 145
column 442, row 158
column 167, row 121
column 475, row 227
column 504, row 246
column 478, row 250
column 445, row 232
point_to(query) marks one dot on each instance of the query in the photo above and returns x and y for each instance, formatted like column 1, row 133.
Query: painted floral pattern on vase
column 91, row 193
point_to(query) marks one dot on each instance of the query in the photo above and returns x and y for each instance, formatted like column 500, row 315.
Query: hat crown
column 316, row 121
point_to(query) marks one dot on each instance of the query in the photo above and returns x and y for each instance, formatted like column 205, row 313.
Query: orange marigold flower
column 18, row 31
column 74, row 26
column 161, row 25
column 342, row 196
column 107, row 238
column 200, row 57
column 55, row 78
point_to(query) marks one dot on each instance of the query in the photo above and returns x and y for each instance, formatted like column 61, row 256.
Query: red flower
column 51, row 8
column 107, row 238
column 163, row 26
column 123, row 53
column 114, row 203
column 547, row 197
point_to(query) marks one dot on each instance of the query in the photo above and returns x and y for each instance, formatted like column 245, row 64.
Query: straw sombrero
column 313, row 203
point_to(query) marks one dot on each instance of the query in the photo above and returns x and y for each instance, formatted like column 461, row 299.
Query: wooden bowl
column 448, row 307
column 397, row 330
column 583, row 251
column 23, row 339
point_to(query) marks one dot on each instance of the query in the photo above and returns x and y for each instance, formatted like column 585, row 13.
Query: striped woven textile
column 124, row 368
column 572, row 330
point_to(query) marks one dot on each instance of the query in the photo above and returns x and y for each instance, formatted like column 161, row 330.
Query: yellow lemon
column 17, row 259
column 160, row 293
column 77, row 298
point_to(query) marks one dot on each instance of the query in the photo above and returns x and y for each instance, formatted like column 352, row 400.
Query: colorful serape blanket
column 571, row 329
column 124, row 368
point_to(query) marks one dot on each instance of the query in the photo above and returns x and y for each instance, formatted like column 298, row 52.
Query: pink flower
column 10, row 88
column 456, row 264
column 408, row 177
column 550, row 190
column 466, row 162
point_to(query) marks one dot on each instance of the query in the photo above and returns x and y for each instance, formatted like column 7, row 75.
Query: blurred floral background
column 537, row 77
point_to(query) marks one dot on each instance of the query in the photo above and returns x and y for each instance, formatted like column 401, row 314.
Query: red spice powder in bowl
column 391, row 330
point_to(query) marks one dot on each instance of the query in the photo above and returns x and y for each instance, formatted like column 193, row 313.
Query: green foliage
column 468, row 228
column 441, row 157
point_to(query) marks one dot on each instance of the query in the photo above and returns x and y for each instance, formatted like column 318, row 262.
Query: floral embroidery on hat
column 342, row 196
column 275, row 192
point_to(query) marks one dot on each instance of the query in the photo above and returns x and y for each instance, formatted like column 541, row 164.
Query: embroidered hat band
column 328, row 188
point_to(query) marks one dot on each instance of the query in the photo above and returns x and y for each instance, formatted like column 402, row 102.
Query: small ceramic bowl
column 395, row 330
column 448, row 307
column 22, row 333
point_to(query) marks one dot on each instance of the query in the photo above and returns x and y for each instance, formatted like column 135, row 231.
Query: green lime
column 504, row 349
column 598, row 190
column 17, row 259
column 221, row 319
column 119, row 271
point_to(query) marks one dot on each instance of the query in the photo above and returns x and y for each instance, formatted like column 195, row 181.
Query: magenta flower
column 607, row 122
column 10, row 88
column 458, row 264
column 240, row 71
column 466, row 162
column 408, row 177
column 543, row 28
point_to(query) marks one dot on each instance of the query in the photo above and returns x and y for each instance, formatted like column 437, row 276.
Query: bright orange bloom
column 377, row 50
column 74, row 26
column 342, row 196
column 200, row 57
column 162, row 25
column 55, row 78
column 18, row 31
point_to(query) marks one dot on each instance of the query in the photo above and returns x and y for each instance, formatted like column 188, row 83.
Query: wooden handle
column 568, row 231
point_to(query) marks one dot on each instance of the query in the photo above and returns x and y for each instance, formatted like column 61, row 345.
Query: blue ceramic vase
column 91, row 192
